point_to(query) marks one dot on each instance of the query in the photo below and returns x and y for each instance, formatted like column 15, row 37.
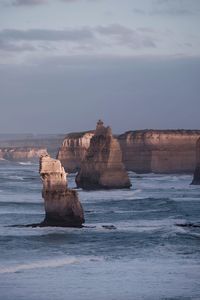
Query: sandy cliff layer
column 21, row 154
column 143, row 151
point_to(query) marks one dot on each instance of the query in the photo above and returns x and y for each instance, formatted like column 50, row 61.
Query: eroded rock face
column 159, row 151
column 62, row 206
column 102, row 167
column 143, row 151
column 73, row 150
column 196, row 178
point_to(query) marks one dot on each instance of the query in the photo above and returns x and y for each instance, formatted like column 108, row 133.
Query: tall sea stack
column 102, row 167
column 196, row 178
column 62, row 206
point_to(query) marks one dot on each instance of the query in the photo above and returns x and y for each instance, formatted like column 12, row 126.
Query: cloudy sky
column 66, row 63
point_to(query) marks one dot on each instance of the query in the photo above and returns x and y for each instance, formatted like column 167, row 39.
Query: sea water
column 130, row 248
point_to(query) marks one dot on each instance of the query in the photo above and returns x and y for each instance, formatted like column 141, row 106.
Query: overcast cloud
column 66, row 63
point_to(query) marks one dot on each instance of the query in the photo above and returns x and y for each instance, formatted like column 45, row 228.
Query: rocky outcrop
column 21, row 154
column 102, row 167
column 62, row 206
column 73, row 150
column 196, row 178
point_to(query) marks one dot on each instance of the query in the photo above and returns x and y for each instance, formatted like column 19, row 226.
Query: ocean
column 130, row 247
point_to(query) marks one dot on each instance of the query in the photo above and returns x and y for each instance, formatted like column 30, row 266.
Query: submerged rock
column 102, row 167
column 62, row 206
column 196, row 178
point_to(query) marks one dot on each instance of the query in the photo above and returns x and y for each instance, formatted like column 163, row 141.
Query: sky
column 66, row 63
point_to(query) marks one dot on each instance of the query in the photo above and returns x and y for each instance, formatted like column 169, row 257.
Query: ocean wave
column 50, row 263
column 15, row 177
column 27, row 163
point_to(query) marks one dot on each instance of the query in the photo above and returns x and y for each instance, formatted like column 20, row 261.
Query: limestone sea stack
column 196, row 178
column 62, row 206
column 73, row 150
column 102, row 167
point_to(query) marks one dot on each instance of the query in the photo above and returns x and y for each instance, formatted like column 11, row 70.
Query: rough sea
column 130, row 248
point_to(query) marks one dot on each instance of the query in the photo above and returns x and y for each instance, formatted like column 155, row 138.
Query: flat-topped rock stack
column 102, row 167
column 62, row 206
column 196, row 178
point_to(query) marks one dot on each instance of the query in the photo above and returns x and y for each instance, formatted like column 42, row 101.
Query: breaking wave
column 49, row 263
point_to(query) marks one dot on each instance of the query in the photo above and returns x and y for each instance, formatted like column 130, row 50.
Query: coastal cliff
column 143, row 151
column 21, row 153
column 159, row 151
column 102, row 167
column 196, row 178
column 62, row 206
column 73, row 150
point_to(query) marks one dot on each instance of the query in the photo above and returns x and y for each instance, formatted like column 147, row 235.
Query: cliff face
column 102, row 166
column 159, row 151
column 73, row 150
column 143, row 151
column 196, row 178
column 21, row 154
column 62, row 206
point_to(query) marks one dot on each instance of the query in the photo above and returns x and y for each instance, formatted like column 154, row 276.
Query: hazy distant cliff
column 51, row 142
column 21, row 154
column 143, row 151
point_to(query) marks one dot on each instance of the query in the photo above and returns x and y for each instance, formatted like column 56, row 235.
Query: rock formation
column 73, row 150
column 196, row 178
column 62, row 205
column 143, row 151
column 159, row 151
column 102, row 166
column 21, row 153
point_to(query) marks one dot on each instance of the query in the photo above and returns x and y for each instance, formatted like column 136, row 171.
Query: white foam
column 26, row 163
column 50, row 263
column 16, row 177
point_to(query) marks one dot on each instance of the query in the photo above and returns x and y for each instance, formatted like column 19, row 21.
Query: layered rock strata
column 21, row 153
column 196, row 178
column 73, row 150
column 62, row 206
column 159, row 151
column 102, row 167
column 143, row 151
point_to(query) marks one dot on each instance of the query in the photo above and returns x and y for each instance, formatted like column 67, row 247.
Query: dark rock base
column 196, row 178
column 190, row 225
